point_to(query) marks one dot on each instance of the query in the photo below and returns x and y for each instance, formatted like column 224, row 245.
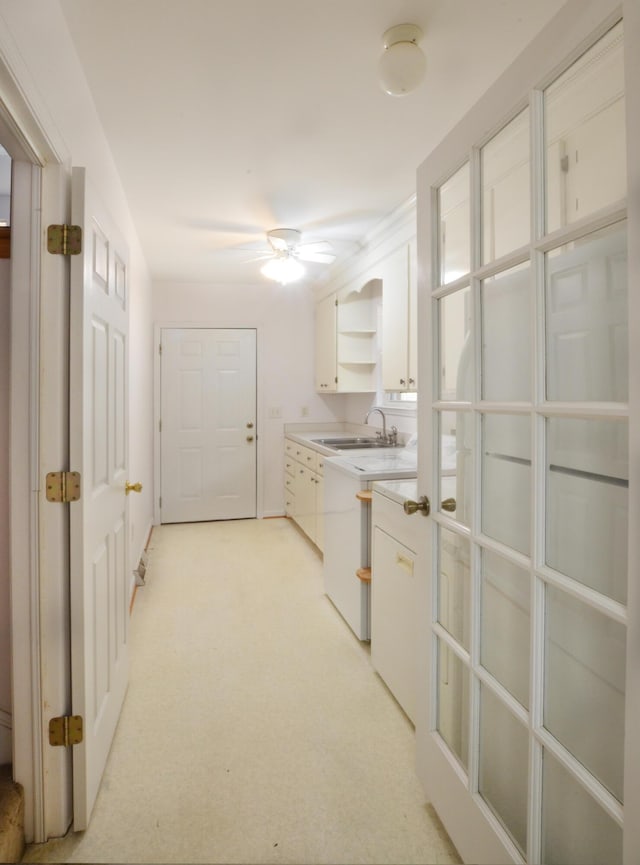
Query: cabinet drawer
column 391, row 518
column 289, row 503
column 290, row 448
column 306, row 457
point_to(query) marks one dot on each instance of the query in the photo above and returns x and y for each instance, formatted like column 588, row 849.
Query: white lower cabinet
column 303, row 480
column 393, row 601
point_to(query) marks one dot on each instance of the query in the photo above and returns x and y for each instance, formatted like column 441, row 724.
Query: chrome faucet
column 392, row 438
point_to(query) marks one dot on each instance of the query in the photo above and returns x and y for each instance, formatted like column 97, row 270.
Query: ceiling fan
column 287, row 253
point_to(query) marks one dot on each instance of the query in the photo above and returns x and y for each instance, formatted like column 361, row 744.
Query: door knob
column 448, row 505
column 249, row 438
column 132, row 488
column 249, row 425
column 423, row 505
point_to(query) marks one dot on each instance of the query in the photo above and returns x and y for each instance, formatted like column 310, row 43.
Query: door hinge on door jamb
column 65, row 731
column 63, row 487
column 64, row 239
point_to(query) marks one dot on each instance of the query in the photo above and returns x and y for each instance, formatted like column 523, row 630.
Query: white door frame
column 157, row 330
column 39, row 532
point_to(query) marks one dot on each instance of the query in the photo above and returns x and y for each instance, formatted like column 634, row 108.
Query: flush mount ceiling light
column 283, row 269
column 402, row 65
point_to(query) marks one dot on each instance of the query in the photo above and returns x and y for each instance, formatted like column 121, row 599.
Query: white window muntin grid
column 539, row 411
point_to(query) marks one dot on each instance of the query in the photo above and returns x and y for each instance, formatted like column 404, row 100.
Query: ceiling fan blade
column 316, row 246
column 319, row 257
column 263, row 256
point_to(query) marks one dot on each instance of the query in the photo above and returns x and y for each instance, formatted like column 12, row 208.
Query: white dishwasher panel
column 346, row 547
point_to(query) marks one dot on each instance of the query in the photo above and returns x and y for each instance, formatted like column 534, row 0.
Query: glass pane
column 506, row 480
column 454, row 585
column 456, row 441
column 454, row 212
column 506, row 335
column 456, row 371
column 504, row 629
column 587, row 496
column 586, row 318
column 453, row 702
column 504, row 765
column 584, row 685
column 585, row 134
column 574, row 827
column 506, row 216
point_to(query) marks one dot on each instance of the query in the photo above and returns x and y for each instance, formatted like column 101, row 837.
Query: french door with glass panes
column 523, row 257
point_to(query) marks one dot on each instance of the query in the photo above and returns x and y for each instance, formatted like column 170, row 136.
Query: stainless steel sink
column 353, row 443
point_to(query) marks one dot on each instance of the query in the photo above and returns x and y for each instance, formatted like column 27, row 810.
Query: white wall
column 37, row 43
column 284, row 319
column 5, row 638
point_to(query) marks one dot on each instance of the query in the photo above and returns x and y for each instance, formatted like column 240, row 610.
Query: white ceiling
column 227, row 119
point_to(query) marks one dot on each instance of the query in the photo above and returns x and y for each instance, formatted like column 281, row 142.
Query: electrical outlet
column 304, row 411
column 275, row 412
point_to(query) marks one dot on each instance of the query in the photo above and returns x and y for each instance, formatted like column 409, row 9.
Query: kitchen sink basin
column 356, row 442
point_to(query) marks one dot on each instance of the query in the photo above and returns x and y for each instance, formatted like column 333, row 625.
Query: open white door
column 99, row 520
column 528, row 624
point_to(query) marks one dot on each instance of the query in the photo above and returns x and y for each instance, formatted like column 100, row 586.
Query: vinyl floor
column 254, row 729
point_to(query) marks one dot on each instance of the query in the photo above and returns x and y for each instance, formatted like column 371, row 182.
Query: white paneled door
column 100, row 576
column 525, row 424
column 208, row 424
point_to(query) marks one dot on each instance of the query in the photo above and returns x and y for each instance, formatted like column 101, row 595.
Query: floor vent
column 141, row 570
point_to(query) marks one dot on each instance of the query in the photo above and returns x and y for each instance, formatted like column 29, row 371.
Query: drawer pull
column 405, row 563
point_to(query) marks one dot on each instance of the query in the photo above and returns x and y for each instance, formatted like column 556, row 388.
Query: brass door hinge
column 66, row 730
column 63, row 486
column 64, row 239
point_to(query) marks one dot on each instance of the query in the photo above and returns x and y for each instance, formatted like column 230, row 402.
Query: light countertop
column 398, row 491
column 366, row 463
column 381, row 464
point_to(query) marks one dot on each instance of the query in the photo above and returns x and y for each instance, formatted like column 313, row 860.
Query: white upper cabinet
column 399, row 321
column 326, row 372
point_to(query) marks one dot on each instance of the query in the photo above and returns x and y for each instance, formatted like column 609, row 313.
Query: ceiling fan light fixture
column 283, row 269
column 402, row 64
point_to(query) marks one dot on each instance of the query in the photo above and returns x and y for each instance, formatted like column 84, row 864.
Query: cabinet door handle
column 402, row 381
column 412, row 381
column 249, row 438
column 405, row 563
